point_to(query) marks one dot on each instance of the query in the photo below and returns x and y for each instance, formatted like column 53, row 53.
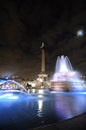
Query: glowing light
column 13, row 97
column 9, row 96
column 80, row 33
column 40, row 79
column 40, row 91
column 33, row 90
column 40, row 106
column 40, row 96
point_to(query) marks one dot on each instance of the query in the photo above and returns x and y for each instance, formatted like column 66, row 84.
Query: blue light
column 7, row 77
column 9, row 96
column 13, row 97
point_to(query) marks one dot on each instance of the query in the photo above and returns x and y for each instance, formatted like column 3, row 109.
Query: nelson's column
column 42, row 75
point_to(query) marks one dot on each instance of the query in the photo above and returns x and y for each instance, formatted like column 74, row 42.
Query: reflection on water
column 68, row 106
column 40, row 105
column 29, row 111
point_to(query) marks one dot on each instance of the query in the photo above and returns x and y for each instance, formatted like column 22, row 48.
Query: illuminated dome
column 11, row 86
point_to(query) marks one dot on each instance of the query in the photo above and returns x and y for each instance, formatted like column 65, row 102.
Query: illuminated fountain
column 65, row 78
column 11, row 87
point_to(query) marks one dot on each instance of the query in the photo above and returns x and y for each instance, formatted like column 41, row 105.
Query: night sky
column 25, row 24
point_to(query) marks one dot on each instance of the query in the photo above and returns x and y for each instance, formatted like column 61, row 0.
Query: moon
column 80, row 33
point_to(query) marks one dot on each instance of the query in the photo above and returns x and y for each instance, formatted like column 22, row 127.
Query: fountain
column 65, row 78
column 11, row 87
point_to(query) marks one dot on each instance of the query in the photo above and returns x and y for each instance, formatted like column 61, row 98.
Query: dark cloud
column 24, row 24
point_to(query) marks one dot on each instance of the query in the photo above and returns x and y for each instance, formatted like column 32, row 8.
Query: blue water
column 22, row 112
